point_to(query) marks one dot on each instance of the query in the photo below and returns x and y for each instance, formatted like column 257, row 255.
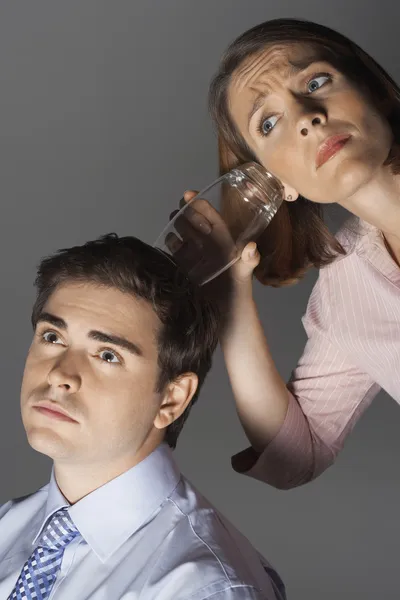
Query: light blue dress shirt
column 147, row 534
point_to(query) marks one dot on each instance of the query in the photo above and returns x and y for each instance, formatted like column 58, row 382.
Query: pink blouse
column 353, row 350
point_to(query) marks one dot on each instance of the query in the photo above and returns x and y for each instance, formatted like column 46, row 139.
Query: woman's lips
column 330, row 147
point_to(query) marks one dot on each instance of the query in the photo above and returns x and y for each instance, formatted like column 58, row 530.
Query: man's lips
column 330, row 147
column 51, row 409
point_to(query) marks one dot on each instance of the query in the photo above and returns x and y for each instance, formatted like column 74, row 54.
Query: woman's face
column 307, row 123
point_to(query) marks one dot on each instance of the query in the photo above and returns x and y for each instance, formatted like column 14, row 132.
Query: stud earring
column 289, row 197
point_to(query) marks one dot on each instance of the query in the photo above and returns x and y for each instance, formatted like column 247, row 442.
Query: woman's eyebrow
column 301, row 64
column 296, row 66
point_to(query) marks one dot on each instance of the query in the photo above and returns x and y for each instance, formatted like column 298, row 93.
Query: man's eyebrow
column 296, row 67
column 108, row 338
column 52, row 320
column 99, row 336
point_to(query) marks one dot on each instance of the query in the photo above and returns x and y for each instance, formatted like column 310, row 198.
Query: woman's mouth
column 330, row 147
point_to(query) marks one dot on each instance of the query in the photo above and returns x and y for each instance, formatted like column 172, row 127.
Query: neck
column 378, row 202
column 77, row 479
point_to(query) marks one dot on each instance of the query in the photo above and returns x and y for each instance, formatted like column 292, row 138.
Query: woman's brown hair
column 297, row 237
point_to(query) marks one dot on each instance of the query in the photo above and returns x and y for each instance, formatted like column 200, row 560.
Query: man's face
column 94, row 356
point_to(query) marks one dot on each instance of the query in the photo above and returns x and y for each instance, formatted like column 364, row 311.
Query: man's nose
column 65, row 374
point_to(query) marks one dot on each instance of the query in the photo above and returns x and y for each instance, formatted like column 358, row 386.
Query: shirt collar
column 108, row 516
column 372, row 246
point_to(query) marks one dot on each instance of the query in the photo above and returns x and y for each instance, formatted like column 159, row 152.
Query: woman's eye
column 267, row 125
column 317, row 82
column 109, row 356
column 51, row 337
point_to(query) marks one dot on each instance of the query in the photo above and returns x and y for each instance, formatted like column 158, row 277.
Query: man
column 122, row 343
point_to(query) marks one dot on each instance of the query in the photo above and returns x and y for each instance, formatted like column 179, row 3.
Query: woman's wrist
column 240, row 313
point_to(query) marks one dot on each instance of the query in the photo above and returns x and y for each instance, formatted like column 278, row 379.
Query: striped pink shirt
column 353, row 350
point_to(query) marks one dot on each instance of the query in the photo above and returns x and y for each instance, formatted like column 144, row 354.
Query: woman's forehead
column 275, row 60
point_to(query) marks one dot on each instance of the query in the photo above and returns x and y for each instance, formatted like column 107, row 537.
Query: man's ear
column 176, row 398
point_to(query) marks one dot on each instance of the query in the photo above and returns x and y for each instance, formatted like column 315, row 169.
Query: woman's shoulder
column 344, row 270
column 337, row 282
column 353, row 235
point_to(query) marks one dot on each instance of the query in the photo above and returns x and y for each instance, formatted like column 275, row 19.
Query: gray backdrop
column 103, row 124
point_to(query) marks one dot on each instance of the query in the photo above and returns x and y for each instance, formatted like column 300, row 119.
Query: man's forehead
column 100, row 301
column 84, row 308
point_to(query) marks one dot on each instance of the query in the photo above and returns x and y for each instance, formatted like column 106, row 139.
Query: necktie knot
column 59, row 531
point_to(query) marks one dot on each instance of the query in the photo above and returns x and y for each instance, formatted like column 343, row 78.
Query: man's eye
column 51, row 337
column 109, row 356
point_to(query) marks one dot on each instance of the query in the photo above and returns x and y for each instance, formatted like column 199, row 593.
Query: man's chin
column 49, row 443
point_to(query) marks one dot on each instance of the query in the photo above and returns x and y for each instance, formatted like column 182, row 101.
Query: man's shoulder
column 4, row 508
column 23, row 502
column 213, row 554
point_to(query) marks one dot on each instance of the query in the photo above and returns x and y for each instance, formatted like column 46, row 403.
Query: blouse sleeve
column 327, row 395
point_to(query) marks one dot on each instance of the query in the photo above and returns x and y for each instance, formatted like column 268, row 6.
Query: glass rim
column 251, row 168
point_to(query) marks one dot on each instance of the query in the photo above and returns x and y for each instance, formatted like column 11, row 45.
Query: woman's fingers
column 249, row 259
column 173, row 214
column 187, row 196
column 188, row 231
column 173, row 243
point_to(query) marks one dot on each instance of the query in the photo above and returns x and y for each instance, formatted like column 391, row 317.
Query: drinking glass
column 207, row 235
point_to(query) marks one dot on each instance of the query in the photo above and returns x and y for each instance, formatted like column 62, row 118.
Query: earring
column 289, row 197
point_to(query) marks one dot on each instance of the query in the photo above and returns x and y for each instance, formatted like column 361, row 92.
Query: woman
column 322, row 116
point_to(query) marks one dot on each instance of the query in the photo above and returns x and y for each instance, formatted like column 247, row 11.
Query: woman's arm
column 260, row 392
column 295, row 430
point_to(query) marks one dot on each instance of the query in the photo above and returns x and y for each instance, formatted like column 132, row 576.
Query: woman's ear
column 290, row 193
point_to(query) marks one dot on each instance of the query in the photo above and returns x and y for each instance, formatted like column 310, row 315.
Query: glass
column 208, row 235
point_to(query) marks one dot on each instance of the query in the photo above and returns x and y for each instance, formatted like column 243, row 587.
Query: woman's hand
column 242, row 270
column 206, row 237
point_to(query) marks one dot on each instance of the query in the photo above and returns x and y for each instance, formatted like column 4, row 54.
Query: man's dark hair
column 189, row 332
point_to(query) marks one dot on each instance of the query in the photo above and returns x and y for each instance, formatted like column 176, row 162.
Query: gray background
column 103, row 125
